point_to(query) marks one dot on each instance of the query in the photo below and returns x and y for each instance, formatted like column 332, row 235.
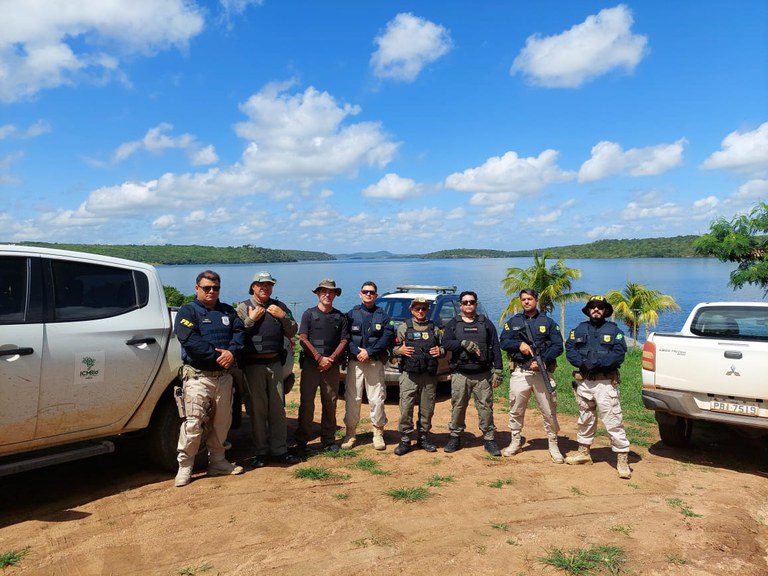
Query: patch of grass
column 682, row 507
column 626, row 530
column 318, row 473
column 13, row 557
column 342, row 453
column 664, row 474
column 634, row 486
column 369, row 465
column 292, row 406
column 492, row 458
column 580, row 561
column 192, row 570
column 409, row 495
column 500, row 483
column 339, row 433
column 481, row 548
column 676, row 560
column 438, row 481
column 342, row 496
column 577, row 492
column 372, row 540
column 435, row 461
column 502, row 526
column 513, row 541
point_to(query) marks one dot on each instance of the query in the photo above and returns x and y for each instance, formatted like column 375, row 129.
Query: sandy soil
column 116, row 515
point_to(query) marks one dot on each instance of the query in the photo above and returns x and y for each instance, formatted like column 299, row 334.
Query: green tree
column 553, row 284
column 639, row 305
column 742, row 240
column 176, row 298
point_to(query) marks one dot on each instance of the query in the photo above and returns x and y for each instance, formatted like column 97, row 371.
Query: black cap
column 600, row 300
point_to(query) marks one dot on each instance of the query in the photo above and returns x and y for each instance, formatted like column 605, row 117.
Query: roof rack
column 438, row 289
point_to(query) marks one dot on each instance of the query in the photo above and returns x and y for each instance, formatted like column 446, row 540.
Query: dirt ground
column 702, row 510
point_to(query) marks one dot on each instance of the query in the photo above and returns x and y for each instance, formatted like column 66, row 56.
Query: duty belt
column 204, row 372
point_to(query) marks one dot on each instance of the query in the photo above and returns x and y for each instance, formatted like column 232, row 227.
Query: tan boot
column 378, row 438
column 554, row 451
column 183, row 476
column 514, row 446
column 622, row 465
column 224, row 468
column 581, row 457
column 349, row 441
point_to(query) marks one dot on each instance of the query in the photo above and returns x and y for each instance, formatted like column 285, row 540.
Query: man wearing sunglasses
column 596, row 347
column 371, row 335
column 211, row 336
column 477, row 369
column 419, row 350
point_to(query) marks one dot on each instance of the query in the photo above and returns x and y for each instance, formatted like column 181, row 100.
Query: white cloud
column 601, row 43
column 456, row 214
column 407, row 45
column 157, row 140
column 8, row 159
column 195, row 216
column 393, row 187
column 602, row 231
column 164, row 221
column 753, row 190
column 326, row 193
column 649, row 205
column 609, row 159
column 6, row 130
column 707, row 203
column 204, row 156
column 545, row 218
column 50, row 43
column 742, row 151
column 33, row 131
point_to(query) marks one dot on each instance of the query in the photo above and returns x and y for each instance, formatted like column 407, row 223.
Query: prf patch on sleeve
column 506, row 326
column 572, row 335
column 607, row 338
column 542, row 329
column 187, row 323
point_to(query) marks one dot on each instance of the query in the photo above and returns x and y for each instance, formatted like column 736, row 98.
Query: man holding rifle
column 533, row 342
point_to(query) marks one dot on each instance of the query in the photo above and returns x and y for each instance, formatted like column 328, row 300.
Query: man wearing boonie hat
column 267, row 323
column 323, row 335
column 596, row 347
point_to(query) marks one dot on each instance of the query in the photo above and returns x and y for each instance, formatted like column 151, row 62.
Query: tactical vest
column 421, row 362
column 266, row 336
column 215, row 327
column 325, row 331
column 475, row 332
column 370, row 337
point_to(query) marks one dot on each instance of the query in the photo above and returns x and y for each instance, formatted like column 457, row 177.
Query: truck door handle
column 17, row 351
column 136, row 341
column 732, row 354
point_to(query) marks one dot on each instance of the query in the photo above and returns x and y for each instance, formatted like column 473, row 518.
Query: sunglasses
column 420, row 308
column 368, row 292
column 468, row 302
column 598, row 306
column 207, row 289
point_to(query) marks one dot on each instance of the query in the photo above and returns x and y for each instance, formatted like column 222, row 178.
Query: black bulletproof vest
column 266, row 336
column 325, row 331
column 370, row 337
column 475, row 332
column 421, row 362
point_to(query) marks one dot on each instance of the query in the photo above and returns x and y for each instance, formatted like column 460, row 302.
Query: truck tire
column 675, row 431
column 164, row 437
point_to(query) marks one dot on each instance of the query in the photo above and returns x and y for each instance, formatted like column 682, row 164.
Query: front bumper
column 683, row 404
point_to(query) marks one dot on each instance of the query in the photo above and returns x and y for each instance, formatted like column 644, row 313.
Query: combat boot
column 581, row 457
column 378, row 438
column 454, row 444
column 349, row 441
column 224, row 468
column 492, row 448
column 554, row 451
column 622, row 465
column 514, row 446
column 404, row 447
column 183, row 476
column 425, row 444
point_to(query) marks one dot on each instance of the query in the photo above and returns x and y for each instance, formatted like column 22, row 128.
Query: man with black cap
column 267, row 323
column 525, row 373
column 323, row 335
column 596, row 347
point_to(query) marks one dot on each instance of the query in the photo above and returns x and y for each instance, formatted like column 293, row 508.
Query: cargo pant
column 521, row 384
column 462, row 387
column 208, row 406
column 414, row 388
column 602, row 397
column 371, row 376
column 267, row 407
column 328, row 382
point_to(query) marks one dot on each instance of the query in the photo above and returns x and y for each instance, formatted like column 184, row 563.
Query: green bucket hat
column 328, row 283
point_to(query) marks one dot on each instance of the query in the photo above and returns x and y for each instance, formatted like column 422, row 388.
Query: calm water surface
column 688, row 280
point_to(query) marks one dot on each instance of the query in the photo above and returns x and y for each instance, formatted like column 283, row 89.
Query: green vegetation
column 193, row 570
column 595, row 560
column 409, row 495
column 684, row 509
column 318, row 473
column 342, row 453
column 369, row 465
column 13, row 557
column 342, row 496
column 743, row 241
column 637, row 304
column 501, row 526
column 175, row 297
column 500, row 483
column 626, row 530
column 676, row 560
column 372, row 540
column 192, row 254
column 438, row 481
column 576, row 491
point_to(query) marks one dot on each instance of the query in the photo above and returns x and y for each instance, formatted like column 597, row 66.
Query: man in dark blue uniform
column 596, row 348
column 211, row 336
column 525, row 373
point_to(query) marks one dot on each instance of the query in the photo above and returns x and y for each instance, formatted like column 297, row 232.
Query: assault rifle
column 537, row 357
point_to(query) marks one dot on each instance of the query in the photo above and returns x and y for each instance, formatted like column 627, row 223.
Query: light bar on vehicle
column 410, row 287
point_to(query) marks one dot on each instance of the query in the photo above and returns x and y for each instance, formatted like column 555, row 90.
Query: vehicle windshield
column 396, row 308
column 740, row 323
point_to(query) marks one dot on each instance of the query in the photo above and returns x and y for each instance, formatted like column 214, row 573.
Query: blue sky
column 402, row 126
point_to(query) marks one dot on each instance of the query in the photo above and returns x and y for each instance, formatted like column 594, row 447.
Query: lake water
column 688, row 280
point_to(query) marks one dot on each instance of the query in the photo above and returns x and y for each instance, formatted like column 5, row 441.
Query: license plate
column 733, row 407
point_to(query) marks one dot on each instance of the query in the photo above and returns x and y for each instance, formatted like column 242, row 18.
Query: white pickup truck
column 87, row 352
column 715, row 369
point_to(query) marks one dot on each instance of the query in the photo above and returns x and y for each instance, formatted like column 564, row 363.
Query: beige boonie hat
column 329, row 283
column 420, row 300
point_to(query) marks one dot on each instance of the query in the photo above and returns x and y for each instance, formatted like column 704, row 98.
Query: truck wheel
column 675, row 431
column 164, row 437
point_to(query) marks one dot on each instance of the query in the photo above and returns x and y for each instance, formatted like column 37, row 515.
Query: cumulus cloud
column 164, row 221
column 601, row 43
column 393, row 187
column 649, row 205
column 742, row 151
column 609, row 159
column 50, row 43
column 707, row 203
column 204, row 156
column 603, row 231
column 158, row 139
column 407, row 45
column 756, row 189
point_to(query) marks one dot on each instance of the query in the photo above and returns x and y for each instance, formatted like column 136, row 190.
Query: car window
column 748, row 323
column 396, row 308
column 447, row 312
column 13, row 289
column 89, row 291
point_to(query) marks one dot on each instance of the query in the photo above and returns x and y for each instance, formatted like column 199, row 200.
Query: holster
column 178, row 396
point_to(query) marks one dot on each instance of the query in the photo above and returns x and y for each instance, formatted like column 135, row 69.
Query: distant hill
column 670, row 247
column 380, row 255
column 191, row 254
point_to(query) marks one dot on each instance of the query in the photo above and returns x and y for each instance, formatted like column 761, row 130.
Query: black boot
column 453, row 445
column 404, row 447
column 425, row 444
column 492, row 448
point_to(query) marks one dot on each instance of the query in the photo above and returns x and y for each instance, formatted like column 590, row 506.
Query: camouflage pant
column 207, row 399
column 521, row 384
column 601, row 397
column 463, row 386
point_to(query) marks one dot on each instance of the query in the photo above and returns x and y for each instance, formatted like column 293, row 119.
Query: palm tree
column 637, row 304
column 553, row 285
